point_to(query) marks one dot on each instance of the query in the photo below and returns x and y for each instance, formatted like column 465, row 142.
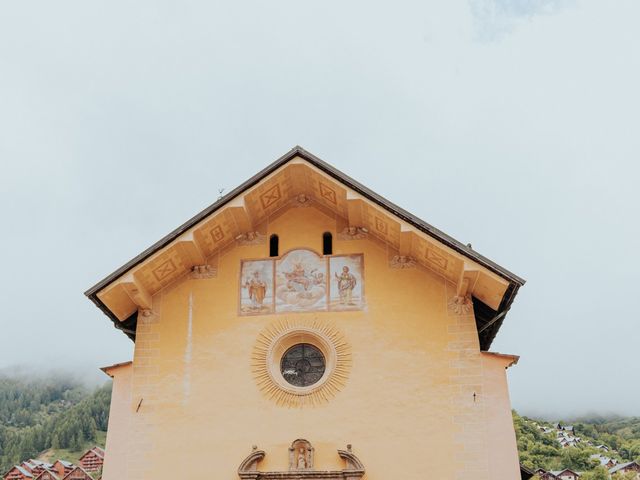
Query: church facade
column 305, row 327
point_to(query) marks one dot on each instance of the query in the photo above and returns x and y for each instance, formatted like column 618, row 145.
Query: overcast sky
column 510, row 124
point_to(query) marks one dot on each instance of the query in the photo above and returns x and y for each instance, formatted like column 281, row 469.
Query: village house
column 525, row 473
column 62, row 468
column 566, row 474
column 565, row 435
column 542, row 474
column 305, row 327
column 92, row 460
column 567, row 441
column 18, row 472
column 623, row 468
column 48, row 475
column 604, row 461
column 78, row 473
column 35, row 467
column 59, row 470
column 48, row 472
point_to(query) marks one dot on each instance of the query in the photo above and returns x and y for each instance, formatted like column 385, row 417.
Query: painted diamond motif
column 327, row 193
column 164, row 270
column 270, row 197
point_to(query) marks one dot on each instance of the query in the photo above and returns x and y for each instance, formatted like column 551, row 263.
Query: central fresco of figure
column 302, row 281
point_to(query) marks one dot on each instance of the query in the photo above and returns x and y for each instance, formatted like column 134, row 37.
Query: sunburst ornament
column 279, row 360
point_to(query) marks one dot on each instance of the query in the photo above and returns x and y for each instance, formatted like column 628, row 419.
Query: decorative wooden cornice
column 235, row 218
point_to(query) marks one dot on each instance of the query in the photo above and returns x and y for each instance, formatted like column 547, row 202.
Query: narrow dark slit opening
column 327, row 243
column 273, row 245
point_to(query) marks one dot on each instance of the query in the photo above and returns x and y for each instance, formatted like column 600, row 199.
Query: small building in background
column 604, row 461
column 545, row 475
column 566, row 474
column 62, row 467
column 78, row 473
column 48, row 475
column 18, row 472
column 626, row 468
column 525, row 473
column 92, row 460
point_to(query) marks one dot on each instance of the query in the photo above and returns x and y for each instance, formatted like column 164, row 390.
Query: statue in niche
column 301, row 455
column 302, row 460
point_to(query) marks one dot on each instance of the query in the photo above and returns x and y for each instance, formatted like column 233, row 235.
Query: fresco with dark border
column 256, row 296
column 346, row 273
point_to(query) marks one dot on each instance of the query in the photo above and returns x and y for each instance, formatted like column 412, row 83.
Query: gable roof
column 23, row 471
column 526, row 473
column 75, row 470
column 488, row 319
column 93, row 451
column 46, row 472
column 621, row 466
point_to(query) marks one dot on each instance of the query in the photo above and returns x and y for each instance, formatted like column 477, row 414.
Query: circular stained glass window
column 302, row 365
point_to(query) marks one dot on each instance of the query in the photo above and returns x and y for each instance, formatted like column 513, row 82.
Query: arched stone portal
column 301, row 465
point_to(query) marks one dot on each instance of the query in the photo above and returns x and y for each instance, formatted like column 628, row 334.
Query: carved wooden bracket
column 460, row 305
column 301, row 200
column 203, row 271
column 402, row 261
column 354, row 470
column 353, row 233
column 251, row 238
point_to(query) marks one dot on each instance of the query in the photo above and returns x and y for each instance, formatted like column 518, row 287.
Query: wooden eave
column 488, row 318
column 108, row 370
column 510, row 360
column 525, row 473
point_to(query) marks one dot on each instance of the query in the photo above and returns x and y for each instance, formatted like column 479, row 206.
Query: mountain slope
column 36, row 415
column 542, row 450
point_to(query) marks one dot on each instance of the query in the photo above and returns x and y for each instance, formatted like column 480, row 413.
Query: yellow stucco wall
column 119, row 422
column 407, row 407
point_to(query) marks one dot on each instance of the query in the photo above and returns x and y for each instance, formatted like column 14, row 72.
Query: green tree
column 625, row 476
column 577, row 458
column 37, row 415
column 599, row 473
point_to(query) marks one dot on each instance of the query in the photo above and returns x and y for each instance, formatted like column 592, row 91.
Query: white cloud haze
column 512, row 125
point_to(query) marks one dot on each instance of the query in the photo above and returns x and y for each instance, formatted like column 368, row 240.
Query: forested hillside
column 58, row 413
column 620, row 436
